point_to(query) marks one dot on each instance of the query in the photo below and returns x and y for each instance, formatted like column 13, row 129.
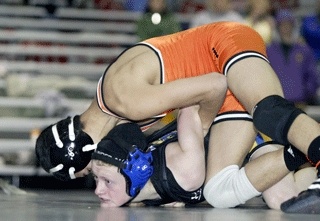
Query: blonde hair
column 101, row 163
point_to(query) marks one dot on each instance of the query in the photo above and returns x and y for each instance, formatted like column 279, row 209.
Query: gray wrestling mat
column 83, row 205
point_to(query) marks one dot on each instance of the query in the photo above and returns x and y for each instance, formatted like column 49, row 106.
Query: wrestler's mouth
column 102, row 200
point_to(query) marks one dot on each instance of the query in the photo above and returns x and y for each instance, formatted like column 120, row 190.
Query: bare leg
column 260, row 82
column 304, row 177
column 228, row 146
column 289, row 186
column 230, row 141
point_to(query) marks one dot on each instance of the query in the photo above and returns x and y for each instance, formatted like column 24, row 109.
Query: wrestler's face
column 110, row 185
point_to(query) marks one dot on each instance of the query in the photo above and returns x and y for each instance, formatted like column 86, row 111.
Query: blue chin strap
column 137, row 170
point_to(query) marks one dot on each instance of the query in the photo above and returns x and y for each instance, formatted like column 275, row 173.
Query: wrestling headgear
column 64, row 149
column 125, row 147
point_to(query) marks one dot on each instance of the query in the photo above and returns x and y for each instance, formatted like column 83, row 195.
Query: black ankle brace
column 314, row 152
column 293, row 157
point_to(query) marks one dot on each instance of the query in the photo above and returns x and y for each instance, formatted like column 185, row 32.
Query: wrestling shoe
column 307, row 202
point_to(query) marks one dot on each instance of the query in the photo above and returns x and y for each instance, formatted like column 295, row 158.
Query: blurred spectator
column 80, row 4
column 259, row 18
column 216, row 10
column 293, row 61
column 156, row 21
column 284, row 4
column 191, row 6
column 310, row 29
column 240, row 6
column 108, row 4
column 136, row 5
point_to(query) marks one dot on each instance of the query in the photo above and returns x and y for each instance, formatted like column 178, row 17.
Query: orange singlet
column 209, row 48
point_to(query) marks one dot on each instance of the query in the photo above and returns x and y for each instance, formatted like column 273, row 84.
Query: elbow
column 193, row 183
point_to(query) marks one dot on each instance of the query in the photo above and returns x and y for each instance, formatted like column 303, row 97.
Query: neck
column 96, row 123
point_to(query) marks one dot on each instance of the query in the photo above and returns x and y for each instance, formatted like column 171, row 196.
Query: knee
column 193, row 183
column 229, row 188
column 274, row 116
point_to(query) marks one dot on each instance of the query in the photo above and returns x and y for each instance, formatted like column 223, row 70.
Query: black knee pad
column 274, row 115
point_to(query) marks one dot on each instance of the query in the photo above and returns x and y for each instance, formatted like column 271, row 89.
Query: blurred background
column 52, row 53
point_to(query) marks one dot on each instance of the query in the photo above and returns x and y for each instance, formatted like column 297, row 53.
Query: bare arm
column 132, row 87
column 186, row 158
column 142, row 100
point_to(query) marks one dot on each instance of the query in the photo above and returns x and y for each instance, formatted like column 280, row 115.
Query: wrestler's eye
column 107, row 181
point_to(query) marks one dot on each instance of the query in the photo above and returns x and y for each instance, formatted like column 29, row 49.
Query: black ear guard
column 64, row 149
column 124, row 147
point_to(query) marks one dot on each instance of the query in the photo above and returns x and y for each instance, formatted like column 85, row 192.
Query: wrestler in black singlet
column 163, row 179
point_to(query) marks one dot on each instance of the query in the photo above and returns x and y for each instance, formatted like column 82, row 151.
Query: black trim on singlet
column 249, row 155
column 249, row 54
column 102, row 80
column 232, row 115
column 153, row 48
column 152, row 120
